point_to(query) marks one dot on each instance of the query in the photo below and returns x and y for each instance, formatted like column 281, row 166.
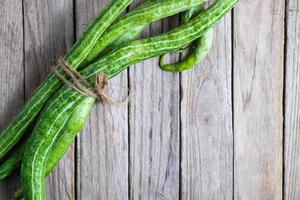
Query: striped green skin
column 134, row 33
column 14, row 131
column 200, row 51
column 60, row 107
column 174, row 40
column 94, row 31
column 126, row 38
column 52, row 121
column 148, row 8
column 144, row 16
column 140, row 17
column 73, row 126
column 191, row 13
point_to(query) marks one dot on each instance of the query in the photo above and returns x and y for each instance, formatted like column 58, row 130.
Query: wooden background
column 228, row 129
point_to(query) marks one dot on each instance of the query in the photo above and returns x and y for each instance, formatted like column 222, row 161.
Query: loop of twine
column 81, row 85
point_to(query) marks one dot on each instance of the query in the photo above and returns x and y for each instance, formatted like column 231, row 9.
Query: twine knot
column 80, row 83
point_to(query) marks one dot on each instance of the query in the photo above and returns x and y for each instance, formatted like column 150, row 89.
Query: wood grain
column 49, row 33
column 206, row 116
column 258, row 95
column 102, row 164
column 292, row 102
column 215, row 132
column 154, row 127
column 11, row 73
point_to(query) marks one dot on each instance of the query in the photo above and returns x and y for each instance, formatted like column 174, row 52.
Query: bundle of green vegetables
column 108, row 46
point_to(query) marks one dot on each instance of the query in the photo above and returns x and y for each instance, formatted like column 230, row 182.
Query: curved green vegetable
column 92, row 42
column 14, row 131
column 159, row 8
column 59, row 108
column 139, row 18
column 73, row 126
column 127, row 37
column 200, row 51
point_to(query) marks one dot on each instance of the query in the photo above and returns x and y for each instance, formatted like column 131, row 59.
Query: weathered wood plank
column 206, row 112
column 154, row 127
column 11, row 73
column 49, row 33
column 258, row 95
column 292, row 102
column 102, row 164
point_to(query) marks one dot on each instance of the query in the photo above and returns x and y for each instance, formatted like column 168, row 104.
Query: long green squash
column 158, row 8
column 55, row 115
column 72, row 127
column 74, row 124
column 139, row 18
column 14, row 131
column 94, row 42
column 149, row 7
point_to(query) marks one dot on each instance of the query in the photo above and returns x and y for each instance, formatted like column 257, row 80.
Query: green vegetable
column 200, row 51
column 12, row 134
column 90, row 45
column 73, row 126
column 135, row 21
column 165, row 8
column 58, row 110
column 13, row 162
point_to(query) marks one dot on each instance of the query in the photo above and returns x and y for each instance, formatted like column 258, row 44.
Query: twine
column 81, row 85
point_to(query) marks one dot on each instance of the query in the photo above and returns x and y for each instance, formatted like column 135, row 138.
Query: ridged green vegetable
column 73, row 126
column 71, row 129
column 58, row 110
column 131, row 25
column 92, row 42
column 138, row 19
column 14, row 131
column 133, row 33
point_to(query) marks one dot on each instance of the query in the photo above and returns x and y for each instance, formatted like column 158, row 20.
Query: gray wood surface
column 206, row 116
column 11, row 73
column 258, row 99
column 102, row 150
column 48, row 34
column 228, row 129
column 154, row 126
column 292, row 103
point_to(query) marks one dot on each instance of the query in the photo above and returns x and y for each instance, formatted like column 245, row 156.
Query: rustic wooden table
column 229, row 129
